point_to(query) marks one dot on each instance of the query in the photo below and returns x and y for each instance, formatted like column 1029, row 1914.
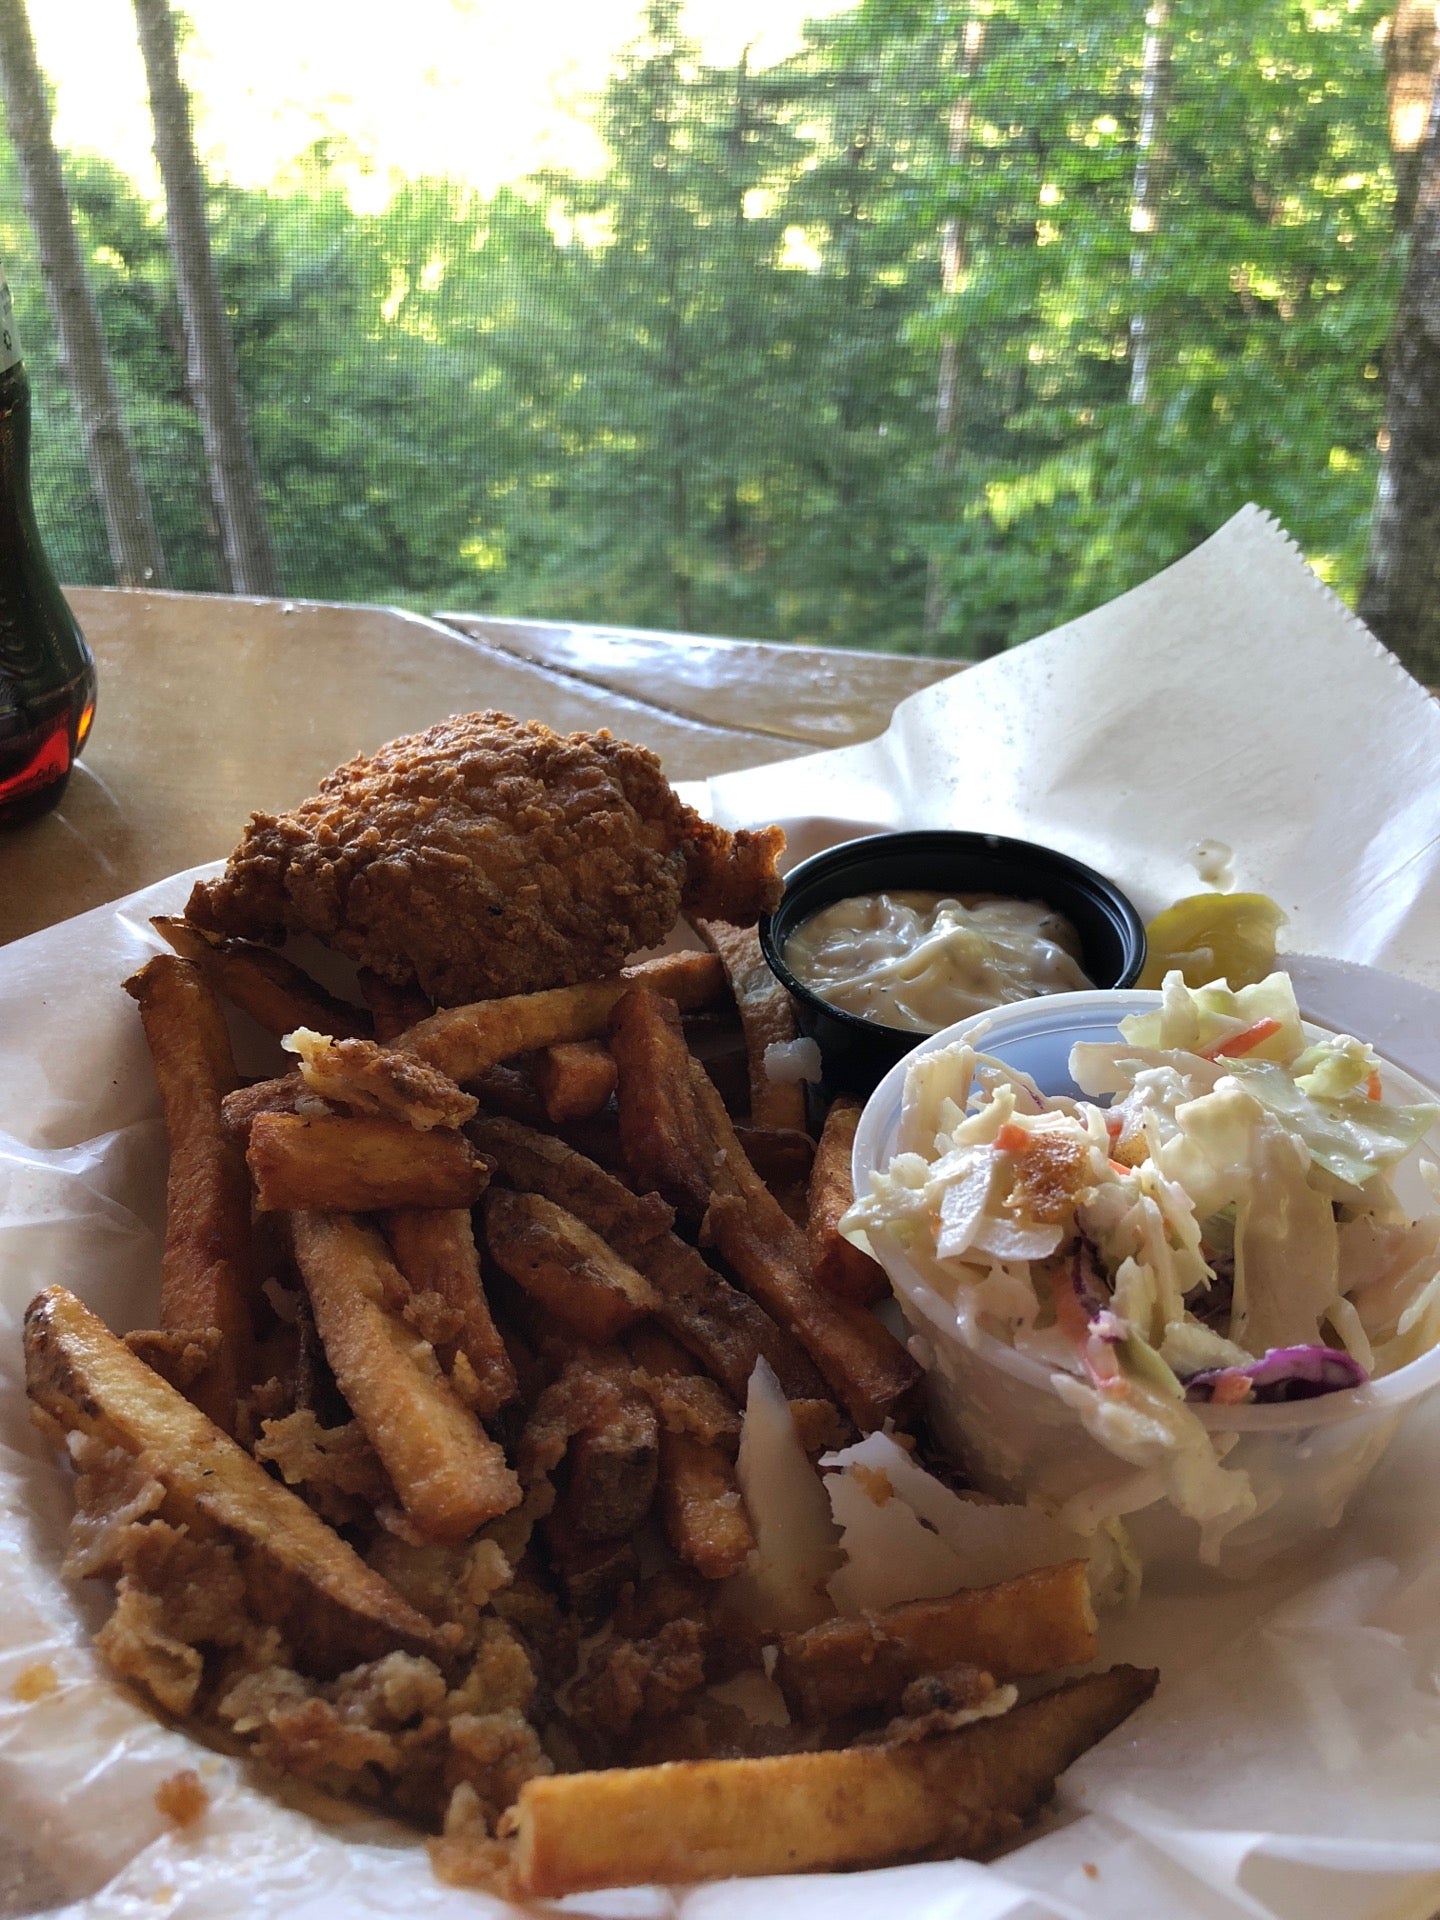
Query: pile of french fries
column 424, row 1491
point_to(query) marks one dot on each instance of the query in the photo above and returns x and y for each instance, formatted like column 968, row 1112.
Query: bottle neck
column 15, row 446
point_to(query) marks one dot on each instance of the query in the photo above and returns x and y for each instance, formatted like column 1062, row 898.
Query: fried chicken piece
column 489, row 856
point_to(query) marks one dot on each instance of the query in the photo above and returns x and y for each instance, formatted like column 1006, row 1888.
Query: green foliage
column 700, row 391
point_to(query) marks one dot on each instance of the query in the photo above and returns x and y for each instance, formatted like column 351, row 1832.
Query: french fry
column 592, row 1572
column 783, row 1161
column 240, row 1109
column 449, row 1475
column 781, row 1156
column 464, row 1041
column 955, row 1793
column 434, row 1248
column 576, row 1080
column 334, row 1163
column 205, row 1278
column 299, row 1574
column 677, row 1135
column 684, row 1395
column 1032, row 1624
column 565, row 1265
column 275, row 993
column 723, row 1328
column 839, row 1267
column 613, row 1470
column 863, row 1363
column 767, row 1019
column 536, row 1162
column 662, row 1132
column 701, row 1508
column 512, row 1091
column 699, row 1498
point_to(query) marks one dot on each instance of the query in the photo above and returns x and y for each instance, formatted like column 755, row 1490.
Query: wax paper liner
column 1233, row 698
column 1287, row 1764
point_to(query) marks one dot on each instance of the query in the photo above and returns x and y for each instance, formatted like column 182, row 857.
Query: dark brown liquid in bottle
column 47, row 675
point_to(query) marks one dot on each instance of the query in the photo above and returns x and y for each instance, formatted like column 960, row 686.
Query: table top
column 211, row 707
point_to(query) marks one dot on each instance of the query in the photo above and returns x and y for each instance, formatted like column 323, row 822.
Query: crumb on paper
column 34, row 1682
column 874, row 1482
column 181, row 1798
column 1213, row 862
column 790, row 1061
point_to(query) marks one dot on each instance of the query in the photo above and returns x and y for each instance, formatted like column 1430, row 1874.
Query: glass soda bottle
column 47, row 673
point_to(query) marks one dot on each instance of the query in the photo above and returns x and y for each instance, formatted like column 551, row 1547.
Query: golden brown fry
column 450, row 1476
column 567, row 1267
column 783, row 1161
column 180, row 1357
column 366, row 1078
column 275, row 993
column 576, row 1080
column 701, row 1508
column 682, row 1393
column 240, row 1109
column 666, row 1144
column 781, row 1157
column 334, row 1163
column 679, row 1137
column 865, row 1366
column 958, row 1793
column 434, row 1248
column 839, row 1267
column 613, row 1470
column 464, row 1041
column 205, row 1278
column 536, row 1162
column 299, row 1575
column 767, row 1019
column 699, row 1499
column 723, row 1328
column 1029, row 1625
column 593, row 1573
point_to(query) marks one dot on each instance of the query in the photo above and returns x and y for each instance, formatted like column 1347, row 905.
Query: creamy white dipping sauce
column 922, row 960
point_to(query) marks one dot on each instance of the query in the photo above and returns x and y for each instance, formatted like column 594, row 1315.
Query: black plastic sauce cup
column 857, row 1051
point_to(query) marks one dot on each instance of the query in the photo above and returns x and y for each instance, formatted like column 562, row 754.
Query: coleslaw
column 1224, row 1231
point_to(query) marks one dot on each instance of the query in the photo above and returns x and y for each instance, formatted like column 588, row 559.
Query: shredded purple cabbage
column 1088, row 1281
column 1285, row 1373
column 1211, row 1305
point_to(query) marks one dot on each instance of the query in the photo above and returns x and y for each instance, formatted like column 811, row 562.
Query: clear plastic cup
column 997, row 1409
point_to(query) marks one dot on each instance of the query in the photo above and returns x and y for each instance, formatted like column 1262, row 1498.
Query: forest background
column 953, row 323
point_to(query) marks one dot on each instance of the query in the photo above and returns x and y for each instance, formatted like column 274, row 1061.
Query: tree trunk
column 1149, row 187
column 114, row 470
column 210, row 350
column 952, row 271
column 1409, row 70
column 1400, row 600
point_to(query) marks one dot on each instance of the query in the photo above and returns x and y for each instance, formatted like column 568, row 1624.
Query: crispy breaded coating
column 368, row 1078
column 489, row 856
